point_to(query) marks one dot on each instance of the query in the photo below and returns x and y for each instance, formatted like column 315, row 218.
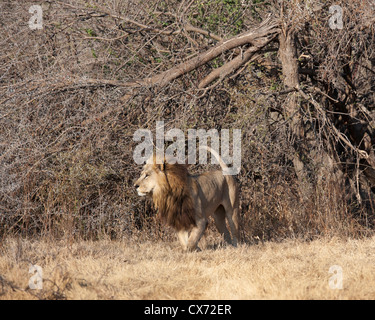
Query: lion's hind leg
column 232, row 215
column 219, row 218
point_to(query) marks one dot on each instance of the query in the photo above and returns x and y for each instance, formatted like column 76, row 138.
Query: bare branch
column 267, row 28
column 191, row 28
column 342, row 137
column 234, row 64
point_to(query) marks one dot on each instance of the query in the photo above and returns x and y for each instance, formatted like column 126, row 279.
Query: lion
column 184, row 201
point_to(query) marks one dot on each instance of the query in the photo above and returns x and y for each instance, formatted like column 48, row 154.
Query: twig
column 340, row 135
column 106, row 39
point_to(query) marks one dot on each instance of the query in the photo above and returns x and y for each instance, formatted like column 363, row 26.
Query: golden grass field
column 106, row 269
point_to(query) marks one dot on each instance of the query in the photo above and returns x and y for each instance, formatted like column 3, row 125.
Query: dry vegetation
column 155, row 270
column 73, row 94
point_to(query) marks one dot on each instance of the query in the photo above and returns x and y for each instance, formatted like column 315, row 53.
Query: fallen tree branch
column 265, row 29
column 257, row 37
column 234, row 64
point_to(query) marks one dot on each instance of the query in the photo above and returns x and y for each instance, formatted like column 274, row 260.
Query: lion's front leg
column 183, row 236
column 196, row 234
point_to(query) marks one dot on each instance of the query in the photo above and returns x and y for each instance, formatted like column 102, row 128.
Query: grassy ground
column 147, row 270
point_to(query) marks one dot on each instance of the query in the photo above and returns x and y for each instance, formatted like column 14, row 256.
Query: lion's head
column 150, row 179
column 169, row 186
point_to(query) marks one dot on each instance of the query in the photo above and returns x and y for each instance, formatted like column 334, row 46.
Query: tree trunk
column 288, row 58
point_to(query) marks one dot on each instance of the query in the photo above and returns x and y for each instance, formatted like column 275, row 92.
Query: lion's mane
column 173, row 199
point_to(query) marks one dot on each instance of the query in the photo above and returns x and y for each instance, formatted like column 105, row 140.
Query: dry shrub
column 66, row 166
column 275, row 204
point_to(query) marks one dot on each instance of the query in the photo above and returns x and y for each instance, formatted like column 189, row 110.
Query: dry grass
column 149, row 270
column 66, row 152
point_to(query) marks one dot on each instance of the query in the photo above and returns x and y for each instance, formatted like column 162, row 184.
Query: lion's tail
column 223, row 165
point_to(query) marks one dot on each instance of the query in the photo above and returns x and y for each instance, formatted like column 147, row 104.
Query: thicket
column 73, row 93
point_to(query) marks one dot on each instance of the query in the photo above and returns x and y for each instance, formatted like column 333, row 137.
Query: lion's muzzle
column 139, row 192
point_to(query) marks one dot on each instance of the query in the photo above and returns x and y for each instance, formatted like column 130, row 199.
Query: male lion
column 185, row 201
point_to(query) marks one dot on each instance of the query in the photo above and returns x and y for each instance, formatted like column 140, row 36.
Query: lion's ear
column 162, row 166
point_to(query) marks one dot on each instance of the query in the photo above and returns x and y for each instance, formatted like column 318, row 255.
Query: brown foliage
column 73, row 94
